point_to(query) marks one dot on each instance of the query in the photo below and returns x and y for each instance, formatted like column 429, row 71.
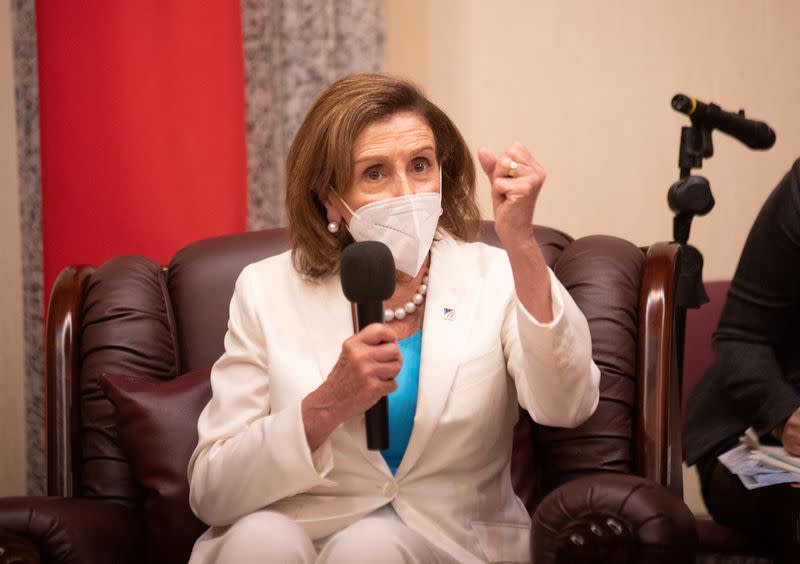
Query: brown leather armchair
column 608, row 491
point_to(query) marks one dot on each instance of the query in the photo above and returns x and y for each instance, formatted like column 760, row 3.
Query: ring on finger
column 512, row 168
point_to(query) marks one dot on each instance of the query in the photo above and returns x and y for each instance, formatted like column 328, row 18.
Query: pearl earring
column 333, row 227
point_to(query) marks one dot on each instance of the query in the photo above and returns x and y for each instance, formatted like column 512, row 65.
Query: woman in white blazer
column 281, row 471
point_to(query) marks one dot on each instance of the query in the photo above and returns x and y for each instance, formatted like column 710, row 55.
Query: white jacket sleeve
column 247, row 456
column 551, row 363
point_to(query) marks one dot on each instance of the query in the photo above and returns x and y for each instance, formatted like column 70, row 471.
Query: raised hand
column 516, row 179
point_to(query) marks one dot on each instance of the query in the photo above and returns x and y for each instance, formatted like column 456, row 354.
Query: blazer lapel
column 449, row 312
column 328, row 315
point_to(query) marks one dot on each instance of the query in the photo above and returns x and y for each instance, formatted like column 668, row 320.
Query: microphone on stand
column 754, row 134
column 368, row 278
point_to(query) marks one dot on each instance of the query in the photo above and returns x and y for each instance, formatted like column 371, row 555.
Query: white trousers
column 265, row 537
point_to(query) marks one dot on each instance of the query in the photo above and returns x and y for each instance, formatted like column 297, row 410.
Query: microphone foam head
column 367, row 272
column 764, row 138
column 682, row 103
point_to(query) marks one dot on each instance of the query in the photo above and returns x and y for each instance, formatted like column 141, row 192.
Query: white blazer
column 453, row 485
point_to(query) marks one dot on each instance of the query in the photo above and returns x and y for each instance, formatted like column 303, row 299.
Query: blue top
column 403, row 401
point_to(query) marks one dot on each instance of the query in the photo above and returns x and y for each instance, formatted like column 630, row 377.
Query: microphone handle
column 377, row 416
column 377, row 422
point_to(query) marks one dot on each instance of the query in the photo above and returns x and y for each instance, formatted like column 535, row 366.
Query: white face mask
column 405, row 224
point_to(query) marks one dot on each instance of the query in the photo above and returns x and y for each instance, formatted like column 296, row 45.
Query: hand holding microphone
column 369, row 361
column 364, row 373
column 367, row 272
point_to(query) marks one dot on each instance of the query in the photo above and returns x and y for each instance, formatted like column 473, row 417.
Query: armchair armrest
column 63, row 380
column 609, row 518
column 17, row 550
column 657, row 433
column 69, row 530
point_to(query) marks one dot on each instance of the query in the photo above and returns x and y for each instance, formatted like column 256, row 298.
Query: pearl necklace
column 410, row 306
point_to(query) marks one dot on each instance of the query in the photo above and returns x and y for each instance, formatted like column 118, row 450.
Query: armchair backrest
column 698, row 352
column 133, row 316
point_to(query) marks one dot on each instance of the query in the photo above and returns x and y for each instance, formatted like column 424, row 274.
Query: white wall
column 586, row 85
column 12, row 420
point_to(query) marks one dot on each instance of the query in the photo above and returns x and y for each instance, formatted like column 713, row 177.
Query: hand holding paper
column 759, row 465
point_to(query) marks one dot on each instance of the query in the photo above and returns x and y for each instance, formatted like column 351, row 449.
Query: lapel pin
column 448, row 313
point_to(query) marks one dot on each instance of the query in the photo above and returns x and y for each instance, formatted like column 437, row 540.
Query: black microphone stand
column 688, row 197
column 691, row 196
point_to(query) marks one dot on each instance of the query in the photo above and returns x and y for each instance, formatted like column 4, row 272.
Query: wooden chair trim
column 658, row 431
column 62, row 377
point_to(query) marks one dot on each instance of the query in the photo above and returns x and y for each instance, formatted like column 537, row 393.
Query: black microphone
column 754, row 134
column 367, row 273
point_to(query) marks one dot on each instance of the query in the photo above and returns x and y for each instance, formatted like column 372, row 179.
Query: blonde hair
column 320, row 158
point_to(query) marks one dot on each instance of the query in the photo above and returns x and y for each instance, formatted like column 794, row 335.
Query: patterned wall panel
column 27, row 100
column 293, row 50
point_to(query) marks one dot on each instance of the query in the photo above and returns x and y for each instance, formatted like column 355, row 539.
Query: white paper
column 759, row 465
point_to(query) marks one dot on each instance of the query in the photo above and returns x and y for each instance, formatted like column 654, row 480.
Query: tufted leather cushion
column 69, row 531
column 127, row 327
column 604, row 519
column 157, row 428
column 200, row 280
column 603, row 275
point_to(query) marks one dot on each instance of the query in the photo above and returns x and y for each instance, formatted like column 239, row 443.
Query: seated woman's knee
column 266, row 536
column 369, row 540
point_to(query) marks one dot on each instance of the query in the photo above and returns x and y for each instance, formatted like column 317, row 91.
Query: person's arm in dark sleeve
column 761, row 307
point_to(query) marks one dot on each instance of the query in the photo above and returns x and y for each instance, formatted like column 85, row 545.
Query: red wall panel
column 142, row 117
